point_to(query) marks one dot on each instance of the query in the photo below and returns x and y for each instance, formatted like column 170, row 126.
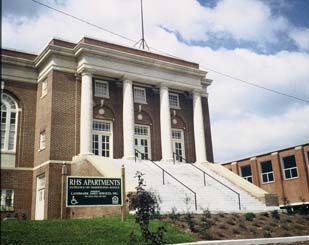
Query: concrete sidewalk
column 251, row 241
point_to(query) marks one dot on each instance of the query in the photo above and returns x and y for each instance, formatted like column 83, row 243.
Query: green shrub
column 275, row 214
column 249, row 216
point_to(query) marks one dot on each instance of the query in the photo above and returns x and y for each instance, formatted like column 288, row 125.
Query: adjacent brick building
column 283, row 172
column 92, row 97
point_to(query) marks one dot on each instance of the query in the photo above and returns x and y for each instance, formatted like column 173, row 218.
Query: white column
column 128, row 120
column 198, row 123
column 166, row 129
column 86, row 114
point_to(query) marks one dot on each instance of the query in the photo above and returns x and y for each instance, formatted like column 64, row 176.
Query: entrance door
column 102, row 144
column 178, row 144
column 142, row 141
column 40, row 198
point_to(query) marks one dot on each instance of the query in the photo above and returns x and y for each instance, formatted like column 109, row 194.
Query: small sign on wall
column 93, row 191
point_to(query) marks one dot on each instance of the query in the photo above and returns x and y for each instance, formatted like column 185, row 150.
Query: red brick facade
column 58, row 115
column 291, row 189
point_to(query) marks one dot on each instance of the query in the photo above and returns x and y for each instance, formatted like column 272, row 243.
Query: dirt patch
column 224, row 226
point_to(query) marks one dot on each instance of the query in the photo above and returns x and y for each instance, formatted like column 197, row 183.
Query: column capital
column 163, row 86
column 86, row 73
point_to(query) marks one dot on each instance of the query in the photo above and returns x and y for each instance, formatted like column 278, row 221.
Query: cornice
column 84, row 48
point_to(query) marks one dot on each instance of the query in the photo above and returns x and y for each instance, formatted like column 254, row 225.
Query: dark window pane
column 289, row 161
column 271, row 177
column 246, row 171
column 287, row 174
column 265, row 178
column 266, row 166
column 294, row 172
column 250, row 179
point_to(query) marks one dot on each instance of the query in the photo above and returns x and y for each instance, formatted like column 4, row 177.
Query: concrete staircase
column 215, row 196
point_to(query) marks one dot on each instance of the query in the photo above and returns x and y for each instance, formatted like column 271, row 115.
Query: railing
column 204, row 173
column 165, row 172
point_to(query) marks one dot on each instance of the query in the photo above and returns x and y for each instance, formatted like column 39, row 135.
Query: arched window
column 8, row 122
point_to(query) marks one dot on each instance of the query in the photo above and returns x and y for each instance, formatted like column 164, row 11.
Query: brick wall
column 25, row 96
column 21, row 182
column 289, row 191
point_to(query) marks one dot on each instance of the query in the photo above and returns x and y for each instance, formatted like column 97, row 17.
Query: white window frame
column 10, row 107
column 249, row 176
column 103, row 93
column 143, row 133
column 4, row 207
column 267, row 173
column 44, row 88
column 137, row 97
column 176, row 139
column 42, row 144
column 105, row 131
column 177, row 106
column 289, row 169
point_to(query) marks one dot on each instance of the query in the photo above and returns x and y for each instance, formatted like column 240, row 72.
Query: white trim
column 283, row 169
column 177, row 101
column 103, row 133
column 138, row 99
column 139, row 137
column 105, row 92
column 37, row 167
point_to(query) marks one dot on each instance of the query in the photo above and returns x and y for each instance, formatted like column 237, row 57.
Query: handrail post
column 174, row 158
column 239, row 201
column 195, row 201
column 163, row 177
column 204, row 179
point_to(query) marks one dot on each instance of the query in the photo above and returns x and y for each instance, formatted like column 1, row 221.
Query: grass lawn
column 108, row 230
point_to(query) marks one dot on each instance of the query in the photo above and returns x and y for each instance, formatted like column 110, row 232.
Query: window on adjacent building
column 308, row 157
column 246, row 172
column 289, row 167
column 8, row 122
column 140, row 95
column 101, row 88
column 7, row 200
column 267, row 172
column 42, row 140
column 173, row 100
column 44, row 87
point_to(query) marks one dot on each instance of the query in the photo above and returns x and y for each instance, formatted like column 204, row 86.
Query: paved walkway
column 281, row 240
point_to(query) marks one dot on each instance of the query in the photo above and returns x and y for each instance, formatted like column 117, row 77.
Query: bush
column 249, row 216
column 190, row 221
column 174, row 215
column 275, row 214
column 145, row 204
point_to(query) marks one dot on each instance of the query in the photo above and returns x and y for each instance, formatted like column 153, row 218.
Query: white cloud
column 254, row 134
column 244, row 119
column 301, row 38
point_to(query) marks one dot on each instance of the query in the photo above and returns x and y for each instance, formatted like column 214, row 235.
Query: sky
column 265, row 42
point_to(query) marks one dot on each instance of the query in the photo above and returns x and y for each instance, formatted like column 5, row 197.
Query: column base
column 128, row 158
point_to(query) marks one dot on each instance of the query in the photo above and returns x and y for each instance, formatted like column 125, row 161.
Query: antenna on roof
column 142, row 42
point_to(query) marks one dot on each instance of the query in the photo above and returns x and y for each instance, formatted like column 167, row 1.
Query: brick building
column 283, row 172
column 93, row 97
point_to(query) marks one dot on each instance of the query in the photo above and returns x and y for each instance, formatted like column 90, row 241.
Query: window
column 289, row 167
column 102, row 138
column 7, row 200
column 308, row 157
column 140, row 95
column 178, row 144
column 267, row 172
column 246, row 173
column 174, row 100
column 43, row 140
column 101, row 89
column 142, row 141
column 8, row 122
column 44, row 87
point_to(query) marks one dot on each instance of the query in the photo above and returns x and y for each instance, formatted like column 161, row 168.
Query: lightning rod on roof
column 142, row 42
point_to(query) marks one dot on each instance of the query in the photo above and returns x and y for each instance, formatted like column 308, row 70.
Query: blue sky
column 265, row 42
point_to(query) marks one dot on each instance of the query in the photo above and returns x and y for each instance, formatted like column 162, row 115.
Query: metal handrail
column 191, row 163
column 164, row 171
